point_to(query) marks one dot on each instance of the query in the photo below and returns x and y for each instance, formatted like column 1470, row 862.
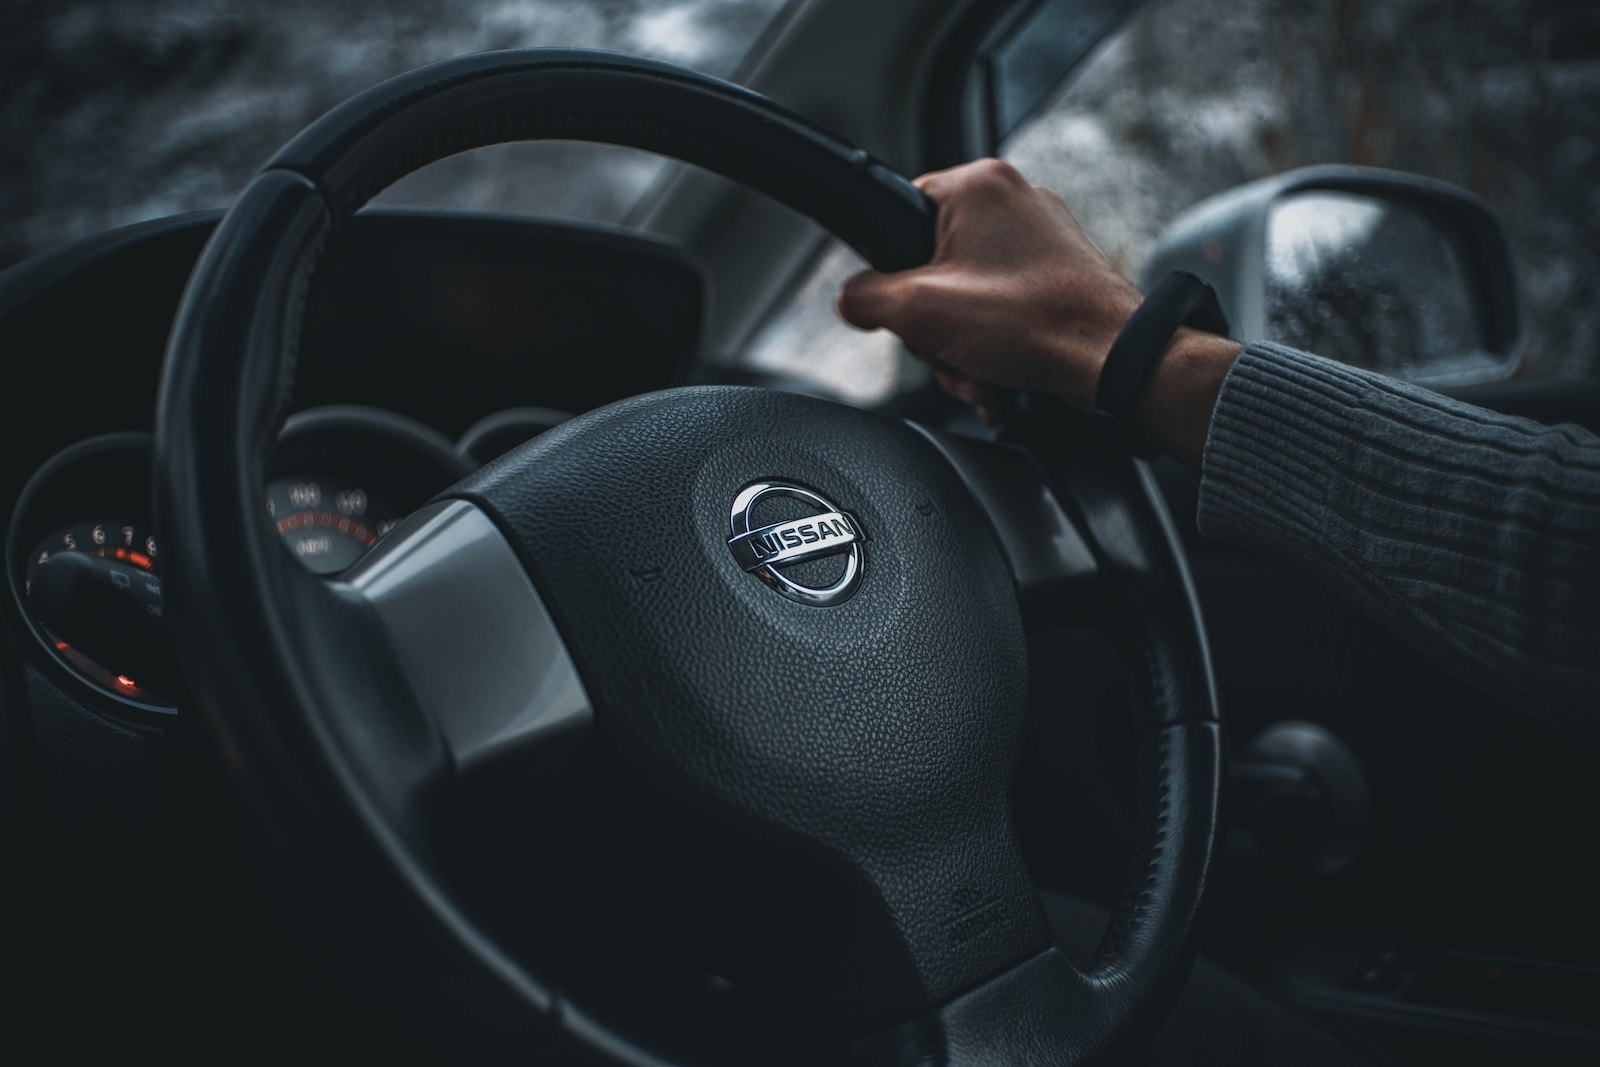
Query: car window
column 1191, row 98
column 116, row 111
column 1499, row 99
column 805, row 340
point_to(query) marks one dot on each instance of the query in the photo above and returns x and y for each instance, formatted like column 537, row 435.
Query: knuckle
column 997, row 173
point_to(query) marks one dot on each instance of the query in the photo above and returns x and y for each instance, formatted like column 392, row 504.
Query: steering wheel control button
column 777, row 527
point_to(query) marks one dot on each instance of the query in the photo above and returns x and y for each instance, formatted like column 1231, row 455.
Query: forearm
column 1473, row 536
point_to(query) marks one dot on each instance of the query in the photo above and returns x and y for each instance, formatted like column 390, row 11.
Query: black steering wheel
column 798, row 626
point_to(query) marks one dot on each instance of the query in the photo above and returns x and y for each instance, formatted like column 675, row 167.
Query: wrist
column 1174, row 409
column 1081, row 347
column 1159, row 377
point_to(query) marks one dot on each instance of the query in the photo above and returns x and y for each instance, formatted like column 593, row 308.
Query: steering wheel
column 798, row 626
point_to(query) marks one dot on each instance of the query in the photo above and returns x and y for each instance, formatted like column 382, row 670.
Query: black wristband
column 1180, row 299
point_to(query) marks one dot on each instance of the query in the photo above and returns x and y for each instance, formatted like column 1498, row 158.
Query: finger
column 936, row 183
column 982, row 395
column 997, row 173
column 897, row 301
column 990, row 401
column 968, row 390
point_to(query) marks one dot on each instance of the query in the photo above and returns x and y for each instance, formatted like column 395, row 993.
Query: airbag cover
column 880, row 730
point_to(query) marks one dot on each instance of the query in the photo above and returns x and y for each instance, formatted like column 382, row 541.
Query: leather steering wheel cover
column 1153, row 933
column 264, row 645
column 379, row 136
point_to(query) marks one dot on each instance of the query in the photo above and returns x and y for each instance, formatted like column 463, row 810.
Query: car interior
column 238, row 826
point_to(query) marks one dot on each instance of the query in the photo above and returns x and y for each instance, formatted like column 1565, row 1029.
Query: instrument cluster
column 84, row 562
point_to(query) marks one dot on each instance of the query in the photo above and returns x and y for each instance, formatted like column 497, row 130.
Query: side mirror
column 1391, row 272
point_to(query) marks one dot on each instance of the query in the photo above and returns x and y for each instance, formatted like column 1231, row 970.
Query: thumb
column 867, row 299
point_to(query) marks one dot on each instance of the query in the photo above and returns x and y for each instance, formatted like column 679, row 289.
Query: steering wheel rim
column 309, row 687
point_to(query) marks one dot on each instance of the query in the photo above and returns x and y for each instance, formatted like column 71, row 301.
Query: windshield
column 117, row 111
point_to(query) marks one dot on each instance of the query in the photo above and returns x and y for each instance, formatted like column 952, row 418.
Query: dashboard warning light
column 125, row 682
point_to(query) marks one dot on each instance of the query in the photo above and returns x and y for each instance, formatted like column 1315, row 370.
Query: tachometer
column 112, row 540
column 94, row 591
column 85, row 571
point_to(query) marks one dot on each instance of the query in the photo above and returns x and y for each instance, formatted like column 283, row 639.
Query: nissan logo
column 762, row 550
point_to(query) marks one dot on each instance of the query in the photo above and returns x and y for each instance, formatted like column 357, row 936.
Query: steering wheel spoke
column 472, row 638
column 1043, row 1010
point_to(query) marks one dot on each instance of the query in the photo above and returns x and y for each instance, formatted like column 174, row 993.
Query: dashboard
column 433, row 343
column 84, row 562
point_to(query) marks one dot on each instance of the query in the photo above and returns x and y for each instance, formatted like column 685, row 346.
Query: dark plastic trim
column 22, row 281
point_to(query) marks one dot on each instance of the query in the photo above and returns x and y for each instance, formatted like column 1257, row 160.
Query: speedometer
column 328, row 521
column 342, row 477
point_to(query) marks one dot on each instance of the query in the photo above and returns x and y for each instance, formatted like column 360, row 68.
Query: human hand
column 1016, row 297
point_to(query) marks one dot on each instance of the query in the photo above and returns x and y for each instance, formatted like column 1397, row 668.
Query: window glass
column 806, row 341
column 1194, row 98
column 115, row 111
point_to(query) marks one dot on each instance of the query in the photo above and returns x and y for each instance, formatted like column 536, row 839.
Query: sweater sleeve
column 1473, row 536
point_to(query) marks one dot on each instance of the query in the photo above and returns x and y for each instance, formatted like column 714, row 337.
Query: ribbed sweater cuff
column 1276, row 441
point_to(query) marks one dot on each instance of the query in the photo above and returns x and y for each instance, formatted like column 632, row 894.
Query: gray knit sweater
column 1473, row 536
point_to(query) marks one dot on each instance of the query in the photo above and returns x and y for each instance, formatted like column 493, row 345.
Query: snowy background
column 113, row 111
column 1501, row 98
